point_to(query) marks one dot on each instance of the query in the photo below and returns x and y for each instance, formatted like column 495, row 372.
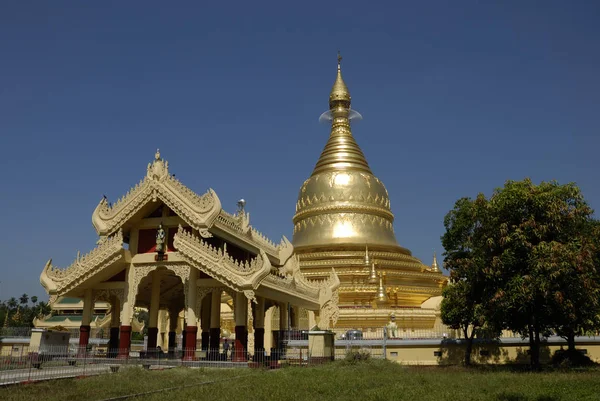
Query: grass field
column 374, row 380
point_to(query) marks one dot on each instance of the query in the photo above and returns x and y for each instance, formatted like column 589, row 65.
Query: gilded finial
column 157, row 154
column 339, row 98
column 367, row 260
column 373, row 275
column 434, row 266
column 381, row 294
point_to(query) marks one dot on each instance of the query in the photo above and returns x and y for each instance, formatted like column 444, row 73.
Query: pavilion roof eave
column 275, row 293
column 98, row 265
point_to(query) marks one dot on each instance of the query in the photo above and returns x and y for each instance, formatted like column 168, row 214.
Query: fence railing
column 53, row 362
column 8, row 332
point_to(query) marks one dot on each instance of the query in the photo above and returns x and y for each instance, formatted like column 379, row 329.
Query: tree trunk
column 571, row 341
column 469, row 347
column 536, row 361
column 532, row 349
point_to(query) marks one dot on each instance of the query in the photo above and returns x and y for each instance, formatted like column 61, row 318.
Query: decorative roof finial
column 381, row 293
column 339, row 98
column 373, row 276
column 434, row 266
column 157, row 154
column 367, row 260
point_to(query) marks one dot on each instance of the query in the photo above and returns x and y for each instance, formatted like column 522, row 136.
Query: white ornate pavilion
column 165, row 248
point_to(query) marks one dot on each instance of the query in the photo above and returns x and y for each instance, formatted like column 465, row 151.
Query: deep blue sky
column 456, row 99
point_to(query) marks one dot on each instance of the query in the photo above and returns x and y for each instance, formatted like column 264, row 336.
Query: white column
column 88, row 308
column 268, row 322
column 190, row 317
column 154, row 300
column 129, row 297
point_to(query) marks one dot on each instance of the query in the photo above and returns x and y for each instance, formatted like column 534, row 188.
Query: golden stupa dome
column 342, row 202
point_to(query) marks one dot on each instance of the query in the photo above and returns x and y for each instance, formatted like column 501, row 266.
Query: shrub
column 355, row 356
column 569, row 358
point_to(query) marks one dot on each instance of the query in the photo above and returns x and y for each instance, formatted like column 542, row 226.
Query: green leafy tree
column 12, row 304
column 24, row 299
column 575, row 283
column 34, row 300
column 464, row 304
column 43, row 309
column 533, row 252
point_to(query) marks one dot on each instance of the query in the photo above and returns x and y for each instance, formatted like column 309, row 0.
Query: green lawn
column 375, row 380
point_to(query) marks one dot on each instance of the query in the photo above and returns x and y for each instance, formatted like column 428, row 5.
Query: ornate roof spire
column 373, row 276
column 367, row 260
column 340, row 95
column 381, row 293
column 434, row 266
column 341, row 151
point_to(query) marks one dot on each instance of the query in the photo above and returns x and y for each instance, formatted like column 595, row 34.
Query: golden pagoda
column 343, row 220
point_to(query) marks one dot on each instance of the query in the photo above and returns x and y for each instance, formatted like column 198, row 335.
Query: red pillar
column 241, row 344
column 84, row 338
column 124, row 342
column 189, row 352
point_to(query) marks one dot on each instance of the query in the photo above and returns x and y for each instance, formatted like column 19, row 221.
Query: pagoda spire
column 381, row 292
column 367, row 260
column 341, row 151
column 434, row 266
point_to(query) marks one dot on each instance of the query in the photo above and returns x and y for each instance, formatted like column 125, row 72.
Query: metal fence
column 11, row 332
column 69, row 361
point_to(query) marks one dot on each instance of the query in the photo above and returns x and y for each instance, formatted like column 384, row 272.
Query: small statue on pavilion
column 160, row 239
column 392, row 327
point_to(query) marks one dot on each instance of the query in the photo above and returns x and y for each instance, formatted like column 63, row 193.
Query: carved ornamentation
column 219, row 264
column 159, row 169
column 61, row 281
column 201, row 292
column 199, row 211
column 327, row 220
column 250, row 295
column 107, row 295
column 139, row 273
column 205, row 233
column 231, row 224
column 250, row 326
column 183, row 272
column 329, row 313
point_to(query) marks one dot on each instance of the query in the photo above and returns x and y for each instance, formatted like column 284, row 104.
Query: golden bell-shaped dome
column 342, row 202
